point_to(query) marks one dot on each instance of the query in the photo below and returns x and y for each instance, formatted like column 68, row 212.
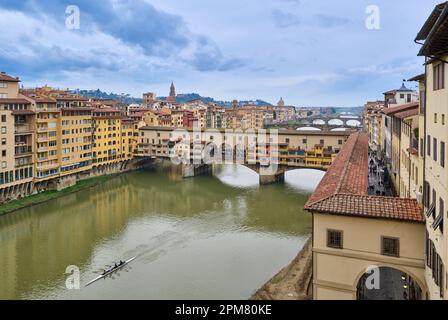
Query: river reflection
column 212, row 237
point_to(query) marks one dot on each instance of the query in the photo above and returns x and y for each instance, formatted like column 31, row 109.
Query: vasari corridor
column 191, row 159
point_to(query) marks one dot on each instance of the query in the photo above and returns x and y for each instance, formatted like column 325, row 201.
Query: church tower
column 172, row 96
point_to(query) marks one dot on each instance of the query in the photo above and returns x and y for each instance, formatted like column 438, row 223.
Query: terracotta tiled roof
column 343, row 189
column 14, row 101
column 406, row 113
column 370, row 207
column 403, row 107
column 335, row 178
column 8, row 78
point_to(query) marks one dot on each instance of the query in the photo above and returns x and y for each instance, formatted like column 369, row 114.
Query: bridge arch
column 319, row 122
column 411, row 284
column 336, row 122
column 353, row 123
column 340, row 129
column 308, row 129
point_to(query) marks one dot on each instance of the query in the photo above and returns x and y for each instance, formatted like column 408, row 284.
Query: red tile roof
column 8, row 78
column 13, row 101
column 370, row 207
column 402, row 107
column 343, row 189
column 406, row 113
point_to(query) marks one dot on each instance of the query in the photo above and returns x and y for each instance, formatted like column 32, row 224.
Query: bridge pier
column 193, row 170
column 266, row 179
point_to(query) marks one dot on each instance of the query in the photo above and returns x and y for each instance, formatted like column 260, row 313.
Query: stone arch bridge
column 270, row 153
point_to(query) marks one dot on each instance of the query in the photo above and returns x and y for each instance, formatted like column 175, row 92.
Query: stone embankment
column 293, row 282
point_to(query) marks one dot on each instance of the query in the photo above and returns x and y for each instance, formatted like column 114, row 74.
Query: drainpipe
column 409, row 161
column 424, row 132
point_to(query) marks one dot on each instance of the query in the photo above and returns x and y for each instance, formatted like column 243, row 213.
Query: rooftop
column 400, row 108
column 344, row 188
column 435, row 32
column 13, row 101
column 8, row 78
column 407, row 113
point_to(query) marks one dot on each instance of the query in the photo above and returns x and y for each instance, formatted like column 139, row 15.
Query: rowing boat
column 110, row 271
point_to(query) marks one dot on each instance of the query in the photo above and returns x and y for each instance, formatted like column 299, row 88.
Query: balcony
column 42, row 129
column 23, row 154
column 42, row 149
column 48, row 167
column 42, row 139
column 23, row 128
column 23, row 163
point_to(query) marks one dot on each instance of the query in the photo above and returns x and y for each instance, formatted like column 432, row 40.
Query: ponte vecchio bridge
column 270, row 153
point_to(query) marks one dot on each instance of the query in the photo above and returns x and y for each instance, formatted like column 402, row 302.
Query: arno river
column 210, row 237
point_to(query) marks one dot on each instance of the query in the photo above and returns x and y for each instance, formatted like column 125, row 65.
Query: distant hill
column 181, row 98
column 186, row 97
column 98, row 94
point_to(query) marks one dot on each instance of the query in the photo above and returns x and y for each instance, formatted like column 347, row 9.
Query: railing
column 23, row 128
column 24, row 151
column 48, row 166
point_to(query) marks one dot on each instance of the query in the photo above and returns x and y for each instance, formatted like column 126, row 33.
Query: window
column 3, row 84
column 435, row 149
column 303, row 140
column 422, row 101
column 442, row 154
column 3, row 153
column 434, row 201
column 3, row 118
column 402, row 96
column 422, row 148
column 439, row 76
column 435, row 117
column 3, row 141
column 287, row 140
column 426, row 194
column 334, row 239
column 339, row 142
column 3, row 130
column 428, row 146
column 322, row 141
column 390, row 246
column 443, row 119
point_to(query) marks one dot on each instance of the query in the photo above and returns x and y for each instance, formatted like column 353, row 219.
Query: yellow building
column 356, row 235
column 435, row 106
column 106, row 136
column 75, row 140
column 397, row 155
column 16, row 140
column 129, row 139
column 48, row 118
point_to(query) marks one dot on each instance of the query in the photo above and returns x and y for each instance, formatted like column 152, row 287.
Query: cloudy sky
column 310, row 52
